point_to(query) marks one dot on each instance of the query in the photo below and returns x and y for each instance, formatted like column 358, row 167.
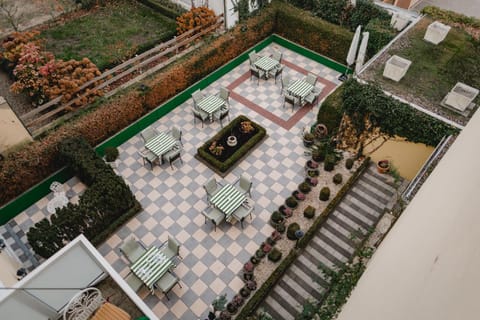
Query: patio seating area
column 174, row 199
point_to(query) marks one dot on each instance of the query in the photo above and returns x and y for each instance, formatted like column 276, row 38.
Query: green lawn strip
column 435, row 69
column 109, row 34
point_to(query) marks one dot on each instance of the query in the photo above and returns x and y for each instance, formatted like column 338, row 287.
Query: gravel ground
column 19, row 103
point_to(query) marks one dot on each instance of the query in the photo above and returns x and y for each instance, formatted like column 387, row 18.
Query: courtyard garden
column 301, row 161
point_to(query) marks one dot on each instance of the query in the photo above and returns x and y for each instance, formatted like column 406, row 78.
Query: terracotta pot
column 383, row 166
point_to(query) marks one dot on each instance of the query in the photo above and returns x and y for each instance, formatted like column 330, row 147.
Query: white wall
column 428, row 266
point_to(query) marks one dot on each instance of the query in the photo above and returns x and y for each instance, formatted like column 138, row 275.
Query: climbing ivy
column 363, row 102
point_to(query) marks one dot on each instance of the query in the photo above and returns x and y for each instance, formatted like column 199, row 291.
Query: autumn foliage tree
column 197, row 16
column 42, row 77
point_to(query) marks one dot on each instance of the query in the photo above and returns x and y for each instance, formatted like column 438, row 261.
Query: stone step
column 367, row 202
column 288, row 302
column 367, row 187
column 312, row 269
column 298, row 292
column 339, row 231
column 276, row 310
column 374, row 178
column 320, row 256
column 354, row 215
column 308, row 278
column 377, row 198
column 357, row 203
column 331, row 238
column 341, row 256
column 346, row 223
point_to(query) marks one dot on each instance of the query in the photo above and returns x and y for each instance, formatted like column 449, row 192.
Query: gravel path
column 19, row 103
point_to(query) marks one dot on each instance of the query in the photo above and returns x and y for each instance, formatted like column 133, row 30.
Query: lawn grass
column 109, row 34
column 435, row 69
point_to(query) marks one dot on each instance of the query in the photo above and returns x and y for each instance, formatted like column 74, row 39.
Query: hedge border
column 32, row 195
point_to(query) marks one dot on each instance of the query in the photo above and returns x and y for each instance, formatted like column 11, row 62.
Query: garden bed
column 219, row 156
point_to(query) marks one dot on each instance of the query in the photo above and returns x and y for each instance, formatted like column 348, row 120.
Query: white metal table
column 59, row 200
column 300, row 88
column 228, row 199
column 151, row 266
column 211, row 104
column 266, row 64
column 161, row 144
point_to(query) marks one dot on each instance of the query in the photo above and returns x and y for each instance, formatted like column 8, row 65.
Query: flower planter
column 232, row 141
column 383, row 166
column 321, row 131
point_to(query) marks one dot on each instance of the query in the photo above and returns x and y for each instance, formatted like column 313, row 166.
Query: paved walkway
column 173, row 199
column 470, row 8
column 333, row 245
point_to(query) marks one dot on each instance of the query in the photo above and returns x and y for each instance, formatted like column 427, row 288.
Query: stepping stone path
column 333, row 245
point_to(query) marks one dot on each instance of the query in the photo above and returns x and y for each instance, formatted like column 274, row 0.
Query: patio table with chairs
column 211, row 104
column 161, row 144
column 151, row 266
column 266, row 64
column 300, row 89
column 227, row 200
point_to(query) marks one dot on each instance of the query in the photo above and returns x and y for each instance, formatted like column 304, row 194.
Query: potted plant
column 259, row 254
column 111, row 154
column 245, row 292
column 337, row 178
column 286, row 211
column 304, row 187
column 320, row 131
column 276, row 235
column 219, row 303
column 324, row 194
column 266, row 247
column 383, row 166
column 329, row 163
column 254, row 260
column 298, row 195
column 349, row 163
column 311, row 181
column 309, row 212
column 248, row 267
column 308, row 139
column 276, row 218
column 251, row 285
column 225, row 315
column 291, row 202
column 281, row 227
column 292, row 228
column 311, row 164
column 275, row 255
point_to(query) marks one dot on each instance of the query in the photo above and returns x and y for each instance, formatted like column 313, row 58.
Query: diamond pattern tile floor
column 172, row 199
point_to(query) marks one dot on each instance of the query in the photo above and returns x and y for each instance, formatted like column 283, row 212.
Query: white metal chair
column 171, row 248
column 244, row 211
column 245, row 185
column 253, row 57
column 255, row 72
column 132, row 249
column 211, row 188
column 294, row 101
column 276, row 72
column 277, row 55
column 285, row 83
column 133, row 281
column 148, row 156
column 167, row 282
column 148, row 134
column 177, row 134
column 200, row 115
column 173, row 155
column 311, row 79
column 197, row 96
column 221, row 114
column 214, row 215
column 224, row 94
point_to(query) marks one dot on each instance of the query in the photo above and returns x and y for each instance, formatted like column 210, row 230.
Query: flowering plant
column 216, row 148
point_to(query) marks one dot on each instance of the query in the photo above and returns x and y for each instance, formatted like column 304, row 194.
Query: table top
column 211, row 104
column 228, row 199
column 161, row 143
column 300, row 88
column 266, row 63
column 151, row 266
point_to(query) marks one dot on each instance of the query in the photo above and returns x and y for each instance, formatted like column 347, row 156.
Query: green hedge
column 330, row 112
column 106, row 204
column 366, row 10
column 314, row 33
column 224, row 166
column 393, row 117
column 255, row 301
column 381, row 33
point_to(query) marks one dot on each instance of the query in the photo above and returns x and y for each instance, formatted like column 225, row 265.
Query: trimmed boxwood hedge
column 106, row 204
column 203, row 153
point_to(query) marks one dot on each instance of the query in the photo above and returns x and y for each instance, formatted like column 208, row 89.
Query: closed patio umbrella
column 352, row 52
column 361, row 52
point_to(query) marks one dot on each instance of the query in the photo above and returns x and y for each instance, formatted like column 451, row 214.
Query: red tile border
column 297, row 116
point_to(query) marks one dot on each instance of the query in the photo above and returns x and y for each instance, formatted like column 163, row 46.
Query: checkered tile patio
column 172, row 199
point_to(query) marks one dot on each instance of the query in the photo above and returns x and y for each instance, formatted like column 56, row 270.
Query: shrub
column 366, row 10
column 197, row 16
column 291, row 229
column 111, row 154
column 259, row 254
column 329, row 163
column 304, row 187
column 245, row 292
column 381, row 33
column 330, row 113
column 330, row 10
column 291, row 202
column 277, row 217
column 324, row 194
column 337, row 178
column 318, row 155
column 280, row 227
column 107, row 193
column 309, row 212
column 286, row 211
column 349, row 163
column 275, row 255
column 254, row 260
